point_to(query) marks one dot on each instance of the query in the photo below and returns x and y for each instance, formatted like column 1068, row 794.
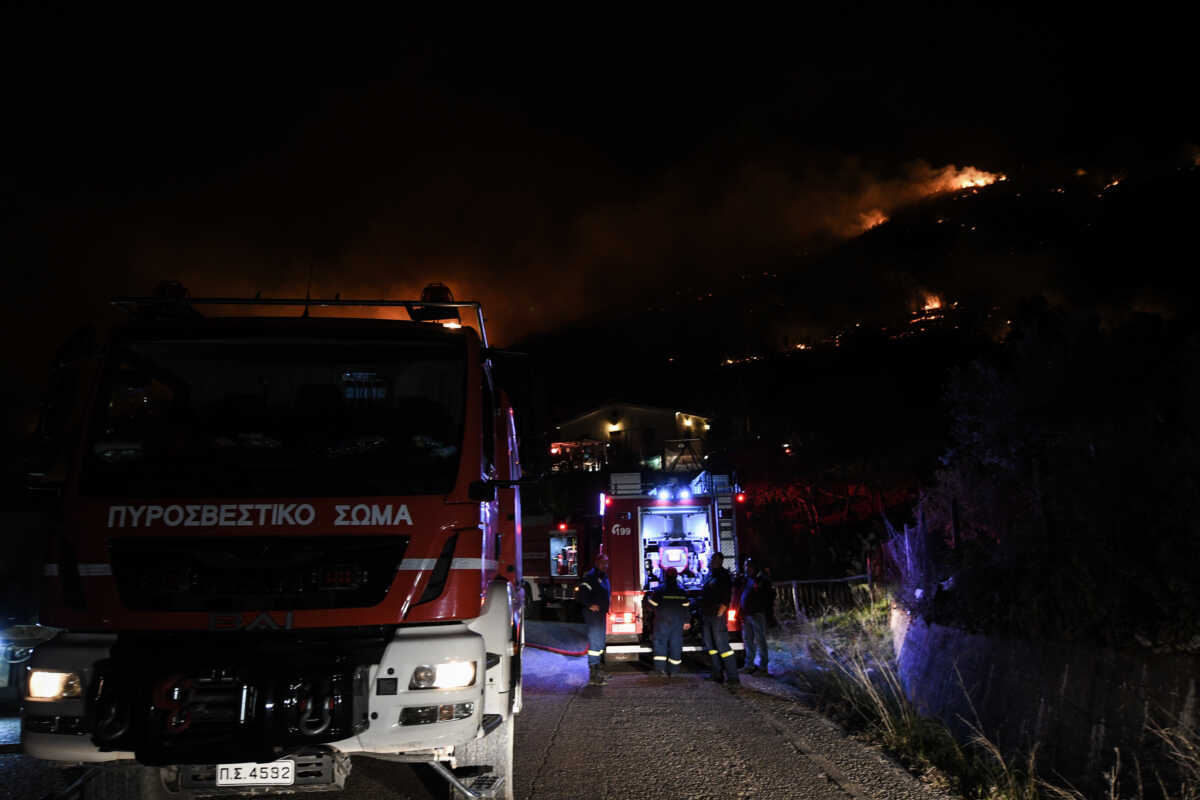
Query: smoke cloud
column 538, row 253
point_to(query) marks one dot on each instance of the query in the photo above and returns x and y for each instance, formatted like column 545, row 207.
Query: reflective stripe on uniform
column 727, row 654
column 650, row 600
column 660, row 658
column 712, row 652
column 595, row 652
column 588, row 585
column 676, row 663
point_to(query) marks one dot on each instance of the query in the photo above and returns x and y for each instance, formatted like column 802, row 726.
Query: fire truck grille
column 255, row 573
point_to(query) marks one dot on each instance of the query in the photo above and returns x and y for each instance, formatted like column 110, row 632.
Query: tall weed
column 844, row 658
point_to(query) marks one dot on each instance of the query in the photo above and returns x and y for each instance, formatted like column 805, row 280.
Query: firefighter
column 594, row 594
column 714, row 602
column 671, row 605
column 758, row 596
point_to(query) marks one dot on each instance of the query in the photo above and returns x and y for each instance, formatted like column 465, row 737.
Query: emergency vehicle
column 285, row 540
column 554, row 552
column 657, row 521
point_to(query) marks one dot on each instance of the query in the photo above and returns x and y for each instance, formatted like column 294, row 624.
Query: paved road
column 645, row 737
column 638, row 737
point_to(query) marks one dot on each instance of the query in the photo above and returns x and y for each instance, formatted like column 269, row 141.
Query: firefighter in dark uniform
column 671, row 606
column 714, row 602
column 594, row 592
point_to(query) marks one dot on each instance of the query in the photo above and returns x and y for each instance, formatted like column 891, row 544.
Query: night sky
column 555, row 169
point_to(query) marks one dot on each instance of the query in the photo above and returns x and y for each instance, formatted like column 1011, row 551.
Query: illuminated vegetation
column 844, row 660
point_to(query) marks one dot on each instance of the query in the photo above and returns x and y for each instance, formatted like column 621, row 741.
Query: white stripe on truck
column 458, row 563
column 85, row 570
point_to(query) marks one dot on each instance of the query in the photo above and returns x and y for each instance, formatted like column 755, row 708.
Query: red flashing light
column 562, row 526
column 608, row 501
column 740, row 497
column 732, row 615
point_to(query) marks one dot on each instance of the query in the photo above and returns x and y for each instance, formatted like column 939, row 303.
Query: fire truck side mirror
column 483, row 491
column 499, row 354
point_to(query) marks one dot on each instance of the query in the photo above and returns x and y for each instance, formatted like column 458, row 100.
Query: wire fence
column 801, row 599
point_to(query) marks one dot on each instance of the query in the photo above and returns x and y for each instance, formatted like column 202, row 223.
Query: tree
column 1066, row 503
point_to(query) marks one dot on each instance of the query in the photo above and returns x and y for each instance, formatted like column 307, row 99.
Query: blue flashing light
column 654, row 492
column 684, row 494
column 664, row 494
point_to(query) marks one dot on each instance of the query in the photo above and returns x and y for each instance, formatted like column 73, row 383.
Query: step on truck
column 655, row 521
column 286, row 539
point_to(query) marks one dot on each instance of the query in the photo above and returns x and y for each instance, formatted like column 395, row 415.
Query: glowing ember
column 871, row 219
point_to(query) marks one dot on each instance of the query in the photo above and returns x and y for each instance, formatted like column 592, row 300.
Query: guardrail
column 796, row 599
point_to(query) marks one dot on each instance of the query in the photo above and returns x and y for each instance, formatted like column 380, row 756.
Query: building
column 625, row 434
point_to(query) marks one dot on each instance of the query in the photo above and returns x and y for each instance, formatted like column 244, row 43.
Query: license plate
column 274, row 773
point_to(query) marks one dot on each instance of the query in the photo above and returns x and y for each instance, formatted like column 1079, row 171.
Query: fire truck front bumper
column 208, row 700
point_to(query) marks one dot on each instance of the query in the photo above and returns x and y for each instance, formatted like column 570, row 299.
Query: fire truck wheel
column 494, row 750
column 128, row 782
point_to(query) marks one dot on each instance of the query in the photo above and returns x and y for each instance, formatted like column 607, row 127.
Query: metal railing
column 801, row 599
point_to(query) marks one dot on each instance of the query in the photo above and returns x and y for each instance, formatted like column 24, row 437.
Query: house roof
column 608, row 406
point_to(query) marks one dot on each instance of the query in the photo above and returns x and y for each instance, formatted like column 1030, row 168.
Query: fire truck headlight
column 49, row 685
column 450, row 675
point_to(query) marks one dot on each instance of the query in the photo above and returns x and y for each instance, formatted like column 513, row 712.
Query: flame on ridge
column 950, row 178
column 871, row 219
column 875, row 203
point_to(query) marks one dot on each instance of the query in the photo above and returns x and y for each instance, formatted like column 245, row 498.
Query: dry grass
column 844, row 660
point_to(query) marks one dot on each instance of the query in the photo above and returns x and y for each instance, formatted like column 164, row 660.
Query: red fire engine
column 649, row 525
column 554, row 552
column 284, row 541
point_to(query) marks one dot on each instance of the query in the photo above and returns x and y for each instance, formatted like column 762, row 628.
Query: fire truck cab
column 654, row 522
column 284, row 540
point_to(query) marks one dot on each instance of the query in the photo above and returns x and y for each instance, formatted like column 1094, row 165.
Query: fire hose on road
column 558, row 650
column 563, row 638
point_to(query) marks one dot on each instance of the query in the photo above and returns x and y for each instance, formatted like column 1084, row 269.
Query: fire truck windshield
column 279, row 417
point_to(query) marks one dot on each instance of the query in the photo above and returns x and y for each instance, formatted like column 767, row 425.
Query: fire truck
column 285, row 539
column 656, row 521
column 554, row 553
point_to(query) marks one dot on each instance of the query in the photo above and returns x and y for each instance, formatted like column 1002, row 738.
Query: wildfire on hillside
column 932, row 309
column 879, row 199
column 871, row 219
column 966, row 178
